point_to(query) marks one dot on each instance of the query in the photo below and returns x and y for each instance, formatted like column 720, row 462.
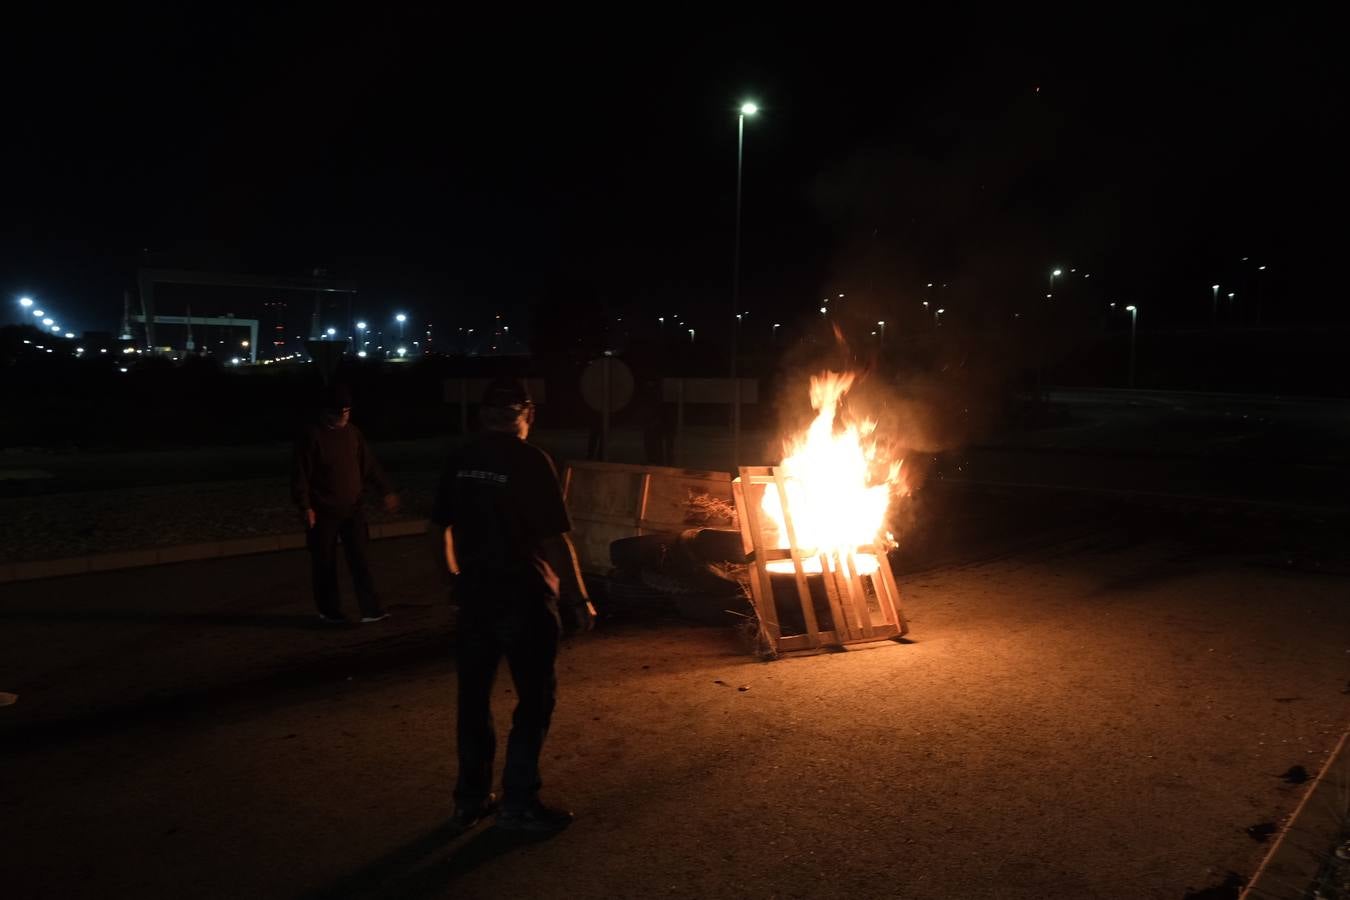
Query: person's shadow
column 416, row 870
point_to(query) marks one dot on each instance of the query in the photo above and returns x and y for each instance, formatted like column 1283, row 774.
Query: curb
column 135, row 559
column 1297, row 858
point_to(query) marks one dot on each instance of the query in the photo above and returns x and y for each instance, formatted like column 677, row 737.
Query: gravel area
column 56, row 526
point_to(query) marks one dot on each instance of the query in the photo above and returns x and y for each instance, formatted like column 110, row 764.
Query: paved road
column 1094, row 706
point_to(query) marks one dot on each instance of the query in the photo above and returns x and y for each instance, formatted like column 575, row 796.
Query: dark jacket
column 331, row 467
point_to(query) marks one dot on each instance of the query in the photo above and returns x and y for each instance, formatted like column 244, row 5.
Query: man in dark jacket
column 333, row 465
column 500, row 527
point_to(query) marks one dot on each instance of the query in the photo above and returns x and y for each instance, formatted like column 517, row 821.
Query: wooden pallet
column 847, row 592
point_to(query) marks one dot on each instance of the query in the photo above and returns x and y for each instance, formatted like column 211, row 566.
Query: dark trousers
column 525, row 630
column 323, row 540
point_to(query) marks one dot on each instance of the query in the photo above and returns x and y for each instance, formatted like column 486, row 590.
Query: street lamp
column 1054, row 273
column 46, row 321
column 748, row 108
column 400, row 319
column 691, row 335
column 25, row 302
column 1214, row 307
column 332, row 331
column 776, row 326
column 37, row 313
column 881, row 342
column 1134, row 320
column 936, row 317
column 360, row 326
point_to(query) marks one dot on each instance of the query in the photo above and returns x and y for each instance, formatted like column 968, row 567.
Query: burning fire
column 838, row 483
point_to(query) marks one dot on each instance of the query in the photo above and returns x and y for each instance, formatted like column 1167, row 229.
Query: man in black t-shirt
column 499, row 527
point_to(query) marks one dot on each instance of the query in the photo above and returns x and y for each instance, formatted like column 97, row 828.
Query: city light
column 26, row 302
column 37, row 313
column 56, row 329
column 749, row 109
column 70, row 334
column 361, row 353
column 360, row 326
column 400, row 318
column 332, row 331
column 46, row 321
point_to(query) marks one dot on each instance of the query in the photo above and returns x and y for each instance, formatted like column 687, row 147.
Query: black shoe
column 377, row 617
column 535, row 817
column 467, row 816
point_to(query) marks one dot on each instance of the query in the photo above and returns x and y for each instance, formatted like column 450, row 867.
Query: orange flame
column 838, row 483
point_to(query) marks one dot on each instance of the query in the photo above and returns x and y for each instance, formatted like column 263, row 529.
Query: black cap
column 507, row 393
column 336, row 397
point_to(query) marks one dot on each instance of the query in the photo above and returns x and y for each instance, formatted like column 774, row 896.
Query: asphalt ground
column 1102, row 698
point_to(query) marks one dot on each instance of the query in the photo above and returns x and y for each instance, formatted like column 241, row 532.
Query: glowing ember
column 838, row 484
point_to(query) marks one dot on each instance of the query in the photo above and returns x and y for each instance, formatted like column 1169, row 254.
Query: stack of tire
column 698, row 572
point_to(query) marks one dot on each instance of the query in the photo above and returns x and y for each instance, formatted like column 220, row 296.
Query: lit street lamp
column 1054, row 273
column 776, row 326
column 400, row 318
column 937, row 320
column 747, row 109
column 881, row 339
column 691, row 335
column 1214, row 307
column 25, row 302
column 1134, row 320
column 37, row 313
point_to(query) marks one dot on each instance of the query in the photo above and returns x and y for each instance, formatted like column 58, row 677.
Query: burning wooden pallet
column 807, row 598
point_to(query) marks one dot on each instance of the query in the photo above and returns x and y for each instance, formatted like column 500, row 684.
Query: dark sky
column 453, row 164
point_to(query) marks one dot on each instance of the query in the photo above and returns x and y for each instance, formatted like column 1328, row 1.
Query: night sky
column 456, row 165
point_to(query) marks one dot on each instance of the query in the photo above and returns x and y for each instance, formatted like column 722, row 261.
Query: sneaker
column 378, row 617
column 465, row 817
column 332, row 620
column 535, row 817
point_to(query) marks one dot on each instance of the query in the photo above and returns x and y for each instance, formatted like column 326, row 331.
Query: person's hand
column 308, row 517
column 578, row 616
column 391, row 503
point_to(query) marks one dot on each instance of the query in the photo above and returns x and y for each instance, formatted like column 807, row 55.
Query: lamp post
column 747, row 109
column 1214, row 307
column 1054, row 273
column 400, row 318
column 881, row 338
column 1134, row 320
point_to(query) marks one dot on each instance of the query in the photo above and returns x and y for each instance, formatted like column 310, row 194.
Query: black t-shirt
column 503, row 499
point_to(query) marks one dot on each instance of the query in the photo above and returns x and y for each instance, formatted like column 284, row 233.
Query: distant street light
column 937, row 317
column 1214, row 307
column 776, row 326
column 400, row 319
column 1055, row 273
column 56, row 329
column 691, row 335
column 360, row 326
column 70, row 334
column 25, row 302
column 37, row 313
column 46, row 321
column 881, row 342
column 332, row 331
column 1134, row 320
